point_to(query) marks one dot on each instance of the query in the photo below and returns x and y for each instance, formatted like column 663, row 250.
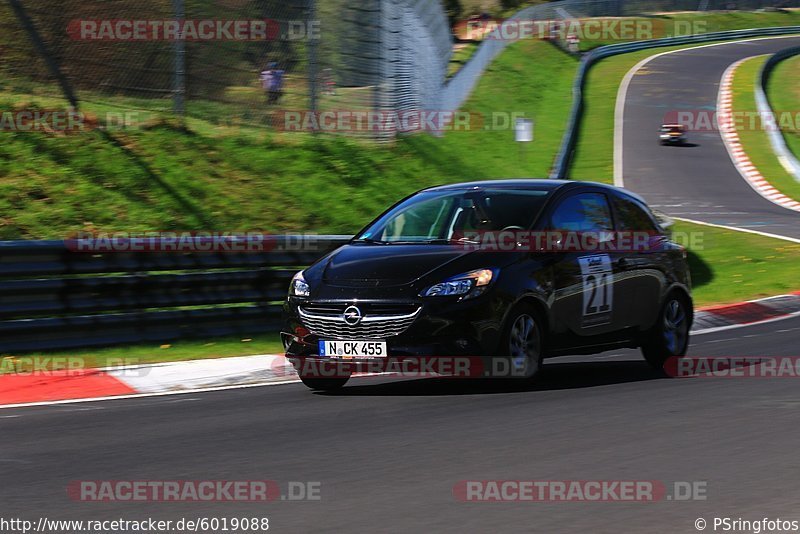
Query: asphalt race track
column 697, row 181
column 389, row 452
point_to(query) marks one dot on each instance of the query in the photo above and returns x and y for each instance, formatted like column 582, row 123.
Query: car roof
column 535, row 184
column 528, row 183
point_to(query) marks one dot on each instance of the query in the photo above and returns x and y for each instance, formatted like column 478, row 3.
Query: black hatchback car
column 511, row 270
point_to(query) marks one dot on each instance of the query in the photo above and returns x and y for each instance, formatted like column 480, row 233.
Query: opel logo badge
column 352, row 316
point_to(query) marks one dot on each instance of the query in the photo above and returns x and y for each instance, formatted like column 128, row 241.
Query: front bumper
column 444, row 327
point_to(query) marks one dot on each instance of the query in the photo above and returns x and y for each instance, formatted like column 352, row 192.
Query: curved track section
column 698, row 181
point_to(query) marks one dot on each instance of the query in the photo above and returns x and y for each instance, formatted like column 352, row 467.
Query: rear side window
column 633, row 216
column 585, row 212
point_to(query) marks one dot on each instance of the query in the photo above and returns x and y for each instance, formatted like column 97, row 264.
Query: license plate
column 348, row 350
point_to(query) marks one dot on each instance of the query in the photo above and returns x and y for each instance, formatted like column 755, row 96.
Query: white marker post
column 523, row 133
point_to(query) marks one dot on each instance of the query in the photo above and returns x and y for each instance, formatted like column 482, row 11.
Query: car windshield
column 452, row 216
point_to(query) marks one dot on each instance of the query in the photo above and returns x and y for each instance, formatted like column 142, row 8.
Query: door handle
column 623, row 263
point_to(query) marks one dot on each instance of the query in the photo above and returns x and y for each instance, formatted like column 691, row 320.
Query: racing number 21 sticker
column 598, row 289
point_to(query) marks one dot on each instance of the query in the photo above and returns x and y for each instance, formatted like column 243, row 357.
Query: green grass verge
column 783, row 91
column 223, row 347
column 167, row 178
column 752, row 135
column 729, row 266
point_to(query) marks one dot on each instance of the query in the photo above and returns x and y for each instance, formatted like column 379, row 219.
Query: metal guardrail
column 53, row 297
column 787, row 158
column 562, row 162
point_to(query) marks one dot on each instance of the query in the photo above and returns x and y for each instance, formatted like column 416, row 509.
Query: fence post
column 179, row 77
column 313, row 69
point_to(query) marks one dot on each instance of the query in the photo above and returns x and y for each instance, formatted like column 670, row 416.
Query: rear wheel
column 522, row 343
column 669, row 338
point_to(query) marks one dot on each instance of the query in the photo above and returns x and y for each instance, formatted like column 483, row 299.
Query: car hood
column 374, row 264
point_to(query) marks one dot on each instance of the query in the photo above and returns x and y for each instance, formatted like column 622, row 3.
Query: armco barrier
column 561, row 166
column 785, row 155
column 54, row 297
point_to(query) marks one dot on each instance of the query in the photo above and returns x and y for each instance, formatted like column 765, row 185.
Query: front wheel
column 523, row 343
column 669, row 338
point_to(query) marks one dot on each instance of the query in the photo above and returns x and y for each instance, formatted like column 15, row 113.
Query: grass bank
column 161, row 176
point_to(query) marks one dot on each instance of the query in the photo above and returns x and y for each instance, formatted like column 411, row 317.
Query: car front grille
column 377, row 322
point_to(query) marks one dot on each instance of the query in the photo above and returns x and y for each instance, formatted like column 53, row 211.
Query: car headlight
column 469, row 285
column 299, row 287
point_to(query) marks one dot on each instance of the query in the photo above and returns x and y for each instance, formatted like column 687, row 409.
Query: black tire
column 522, row 343
column 669, row 337
column 324, row 384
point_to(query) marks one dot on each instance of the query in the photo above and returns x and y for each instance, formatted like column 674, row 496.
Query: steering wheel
column 509, row 228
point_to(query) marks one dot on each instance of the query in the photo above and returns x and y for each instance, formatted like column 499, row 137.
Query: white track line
column 737, row 229
column 735, row 326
